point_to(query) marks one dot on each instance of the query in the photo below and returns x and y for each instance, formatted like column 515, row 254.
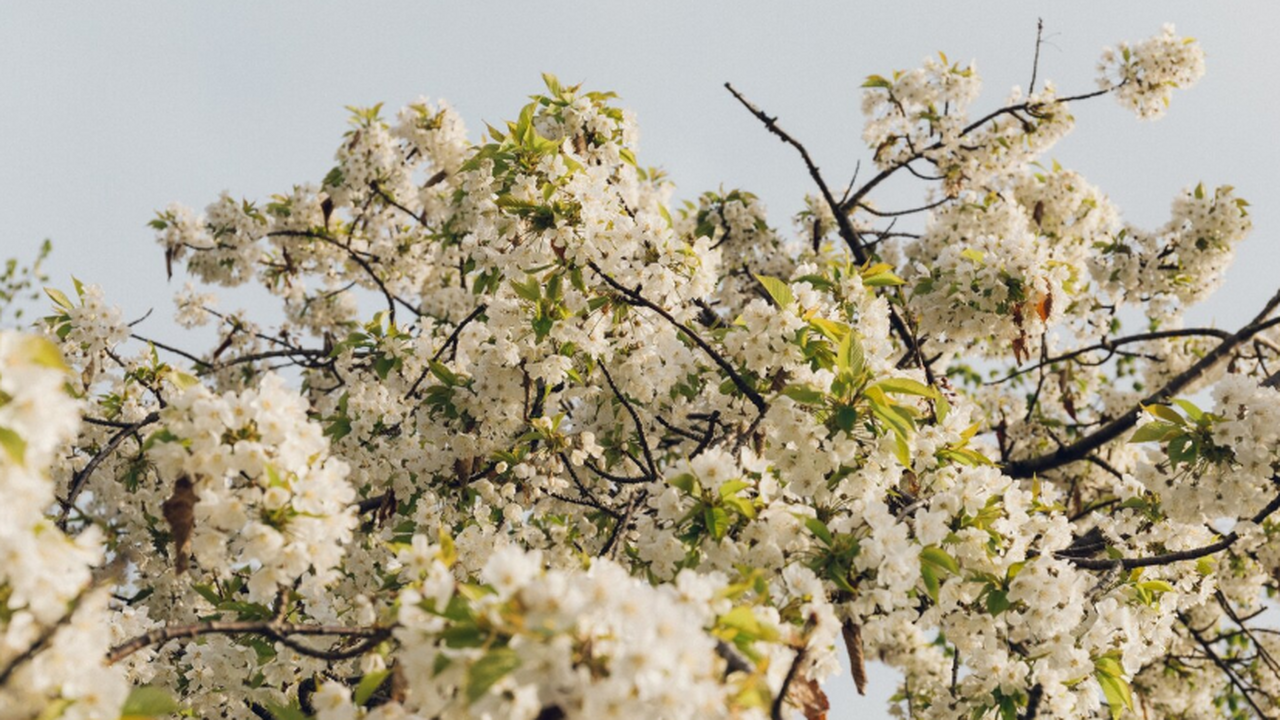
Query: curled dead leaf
column 852, row 632
column 807, row 695
column 1044, row 308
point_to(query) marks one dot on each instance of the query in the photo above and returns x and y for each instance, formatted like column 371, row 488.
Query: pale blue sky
column 111, row 110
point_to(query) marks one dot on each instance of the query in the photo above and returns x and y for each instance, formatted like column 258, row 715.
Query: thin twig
column 1035, row 64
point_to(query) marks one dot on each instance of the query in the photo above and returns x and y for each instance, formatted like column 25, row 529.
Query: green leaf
column 895, row 421
column 831, row 330
column 779, row 291
column 181, row 380
column 41, row 352
column 930, row 581
column 489, row 669
column 54, row 709
column 1119, row 697
column 684, row 482
column 997, row 602
column 901, row 450
column 804, row 394
column 1189, row 408
column 820, row 530
column 1152, row 432
column 552, row 83
column 939, row 558
column 207, row 592
column 741, row 505
column 148, row 701
column 1164, row 412
column 743, row 620
column 286, row 712
column 59, row 298
column 443, row 373
column 850, row 357
column 383, row 365
column 884, row 279
column 1183, row 449
column 716, row 520
column 370, row 684
column 1008, row 708
column 529, row 290
column 846, row 418
column 975, row 255
column 907, row 386
column 876, row 81
column 1156, row 586
column 13, row 445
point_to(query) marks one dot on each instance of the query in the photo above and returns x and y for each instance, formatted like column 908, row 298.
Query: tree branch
column 1172, row 557
column 633, row 297
column 843, row 225
column 81, row 478
column 1087, row 444
column 278, row 631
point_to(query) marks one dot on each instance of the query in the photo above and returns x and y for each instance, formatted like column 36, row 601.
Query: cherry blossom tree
column 533, row 441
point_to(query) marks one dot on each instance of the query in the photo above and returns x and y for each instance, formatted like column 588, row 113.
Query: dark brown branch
column 588, row 499
column 633, row 297
column 844, row 226
column 899, row 213
column 1222, row 665
column 1113, row 429
column 775, row 711
column 291, row 353
column 392, row 202
column 42, row 641
column 278, row 631
column 1110, row 346
column 885, row 174
column 619, row 479
column 361, row 259
column 635, row 418
column 453, row 338
column 771, row 124
column 80, row 479
column 174, row 350
column 1168, row 558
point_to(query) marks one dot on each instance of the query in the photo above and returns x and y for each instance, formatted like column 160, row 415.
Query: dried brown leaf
column 852, row 632
column 179, row 512
column 807, row 695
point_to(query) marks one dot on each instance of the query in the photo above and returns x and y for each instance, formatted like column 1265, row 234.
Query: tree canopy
column 534, row 441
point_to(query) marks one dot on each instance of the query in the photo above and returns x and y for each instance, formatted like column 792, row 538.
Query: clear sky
column 111, row 110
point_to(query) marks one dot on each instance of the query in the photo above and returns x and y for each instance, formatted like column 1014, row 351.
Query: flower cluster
column 594, row 644
column 1144, row 76
column 917, row 108
column 1216, row 464
column 54, row 631
column 268, row 499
